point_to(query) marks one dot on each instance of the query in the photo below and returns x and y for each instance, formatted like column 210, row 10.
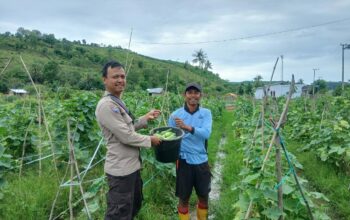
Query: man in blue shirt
column 192, row 168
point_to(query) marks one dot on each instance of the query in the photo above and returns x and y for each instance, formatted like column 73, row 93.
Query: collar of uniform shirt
column 188, row 110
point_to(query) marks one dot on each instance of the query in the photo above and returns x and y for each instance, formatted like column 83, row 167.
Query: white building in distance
column 280, row 90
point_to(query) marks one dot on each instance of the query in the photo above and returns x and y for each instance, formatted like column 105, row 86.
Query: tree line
column 76, row 64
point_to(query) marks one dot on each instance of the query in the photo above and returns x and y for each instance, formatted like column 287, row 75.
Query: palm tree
column 208, row 65
column 199, row 57
column 257, row 81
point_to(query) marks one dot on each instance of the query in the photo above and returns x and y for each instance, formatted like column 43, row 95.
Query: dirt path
column 216, row 181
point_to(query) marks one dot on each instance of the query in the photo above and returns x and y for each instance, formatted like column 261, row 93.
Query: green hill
column 75, row 64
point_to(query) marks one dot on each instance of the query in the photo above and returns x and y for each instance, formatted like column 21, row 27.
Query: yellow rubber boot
column 202, row 214
column 184, row 213
column 184, row 216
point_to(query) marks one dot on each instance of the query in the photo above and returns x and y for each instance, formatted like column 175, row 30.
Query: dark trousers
column 124, row 197
column 189, row 176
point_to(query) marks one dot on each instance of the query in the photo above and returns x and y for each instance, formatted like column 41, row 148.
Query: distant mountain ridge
column 76, row 64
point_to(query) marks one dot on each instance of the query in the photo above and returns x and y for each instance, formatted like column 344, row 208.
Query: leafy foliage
column 322, row 125
column 264, row 197
column 19, row 126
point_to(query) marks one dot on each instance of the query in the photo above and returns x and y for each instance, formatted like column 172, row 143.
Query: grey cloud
column 206, row 20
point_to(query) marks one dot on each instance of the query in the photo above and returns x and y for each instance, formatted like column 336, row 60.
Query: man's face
column 192, row 96
column 115, row 80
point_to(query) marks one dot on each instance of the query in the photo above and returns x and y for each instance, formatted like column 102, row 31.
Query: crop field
column 284, row 158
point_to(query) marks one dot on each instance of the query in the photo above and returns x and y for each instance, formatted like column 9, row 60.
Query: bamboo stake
column 8, row 62
column 62, row 182
column 273, row 72
column 324, row 109
column 279, row 176
column 24, row 148
column 278, row 159
column 265, row 101
column 70, row 164
column 164, row 99
column 305, row 104
column 74, row 164
column 43, row 112
column 57, row 194
column 50, row 138
column 40, row 144
column 256, row 130
column 127, row 54
column 263, row 107
column 282, row 118
column 128, row 68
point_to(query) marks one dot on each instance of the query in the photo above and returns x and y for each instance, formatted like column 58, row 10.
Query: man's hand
column 155, row 141
column 153, row 114
column 180, row 123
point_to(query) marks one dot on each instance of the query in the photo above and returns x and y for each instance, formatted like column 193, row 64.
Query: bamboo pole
column 71, row 165
column 279, row 176
column 127, row 54
column 24, row 148
column 3, row 70
column 256, row 130
column 40, row 144
column 322, row 116
column 281, row 119
column 57, row 194
column 164, row 100
column 74, row 166
column 43, row 112
column 128, row 68
column 263, row 107
column 278, row 158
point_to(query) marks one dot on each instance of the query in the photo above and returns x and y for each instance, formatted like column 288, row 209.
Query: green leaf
column 344, row 124
column 253, row 193
column 336, row 149
column 270, row 194
column 291, row 205
column 251, row 178
column 272, row 213
column 321, row 216
column 2, row 182
column 337, row 128
column 323, row 154
column 76, row 137
column 242, row 203
column 287, row 189
column 5, row 164
column 2, row 150
column 89, row 195
column 318, row 195
column 93, row 206
column 81, row 127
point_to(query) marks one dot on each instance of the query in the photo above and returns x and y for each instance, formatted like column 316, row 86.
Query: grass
column 30, row 197
column 232, row 165
column 326, row 179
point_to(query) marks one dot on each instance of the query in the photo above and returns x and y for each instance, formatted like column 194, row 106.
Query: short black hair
column 111, row 64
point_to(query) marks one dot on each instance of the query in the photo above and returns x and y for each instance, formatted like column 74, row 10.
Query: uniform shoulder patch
column 115, row 109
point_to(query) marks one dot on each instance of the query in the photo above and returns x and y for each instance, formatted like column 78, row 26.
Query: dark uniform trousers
column 124, row 197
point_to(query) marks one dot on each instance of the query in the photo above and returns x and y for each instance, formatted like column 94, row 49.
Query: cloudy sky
column 242, row 39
